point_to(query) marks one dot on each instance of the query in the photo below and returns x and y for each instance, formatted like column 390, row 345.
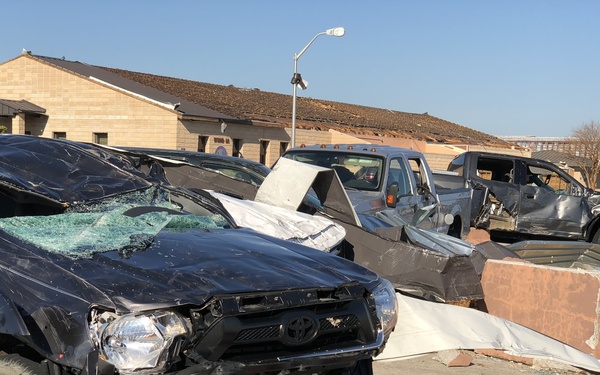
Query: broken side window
column 398, row 174
column 495, row 169
column 547, row 179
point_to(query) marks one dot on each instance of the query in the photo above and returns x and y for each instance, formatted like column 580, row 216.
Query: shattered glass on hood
column 109, row 225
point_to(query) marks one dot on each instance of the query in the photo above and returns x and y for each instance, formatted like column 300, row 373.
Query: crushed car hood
column 187, row 268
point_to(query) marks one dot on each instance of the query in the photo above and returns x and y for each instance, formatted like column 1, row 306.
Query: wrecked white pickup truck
column 104, row 270
column 527, row 198
column 393, row 180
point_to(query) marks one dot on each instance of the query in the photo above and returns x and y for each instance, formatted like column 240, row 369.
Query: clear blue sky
column 505, row 67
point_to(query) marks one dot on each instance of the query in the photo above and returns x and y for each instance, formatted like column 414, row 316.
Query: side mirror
column 391, row 195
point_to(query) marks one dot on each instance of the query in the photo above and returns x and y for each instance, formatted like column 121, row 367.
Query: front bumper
column 303, row 363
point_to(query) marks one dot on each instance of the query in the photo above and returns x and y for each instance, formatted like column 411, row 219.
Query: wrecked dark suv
column 103, row 271
column 524, row 198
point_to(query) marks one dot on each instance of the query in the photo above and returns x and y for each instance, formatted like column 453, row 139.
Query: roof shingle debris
column 256, row 105
column 273, row 109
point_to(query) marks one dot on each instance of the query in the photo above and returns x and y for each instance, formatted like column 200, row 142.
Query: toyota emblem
column 300, row 330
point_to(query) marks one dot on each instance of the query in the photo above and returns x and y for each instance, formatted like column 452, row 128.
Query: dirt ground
column 481, row 365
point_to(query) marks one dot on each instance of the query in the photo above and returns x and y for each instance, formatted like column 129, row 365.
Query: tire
column 596, row 236
column 14, row 364
column 362, row 367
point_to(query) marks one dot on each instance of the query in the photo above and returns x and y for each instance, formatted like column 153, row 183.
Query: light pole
column 297, row 78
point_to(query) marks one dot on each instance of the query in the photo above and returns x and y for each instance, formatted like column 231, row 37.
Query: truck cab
column 390, row 181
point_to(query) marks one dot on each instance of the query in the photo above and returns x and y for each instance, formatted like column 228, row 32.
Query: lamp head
column 338, row 31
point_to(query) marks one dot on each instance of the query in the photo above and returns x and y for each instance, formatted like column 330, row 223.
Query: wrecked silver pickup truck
column 106, row 271
column 392, row 179
column 529, row 198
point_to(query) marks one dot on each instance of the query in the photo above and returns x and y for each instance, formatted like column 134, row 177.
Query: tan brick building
column 51, row 97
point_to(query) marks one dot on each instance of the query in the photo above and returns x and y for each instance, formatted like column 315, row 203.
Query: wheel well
column 593, row 230
column 455, row 229
column 593, row 233
column 12, row 345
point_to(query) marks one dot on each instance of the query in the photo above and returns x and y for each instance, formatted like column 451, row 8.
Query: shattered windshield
column 124, row 223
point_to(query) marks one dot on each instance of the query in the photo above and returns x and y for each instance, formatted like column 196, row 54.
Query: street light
column 297, row 78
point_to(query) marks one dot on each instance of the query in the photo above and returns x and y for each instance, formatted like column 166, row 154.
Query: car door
column 500, row 207
column 422, row 195
column 406, row 196
column 549, row 203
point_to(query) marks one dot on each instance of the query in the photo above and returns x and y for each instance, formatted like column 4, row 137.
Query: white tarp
column 426, row 327
column 314, row 231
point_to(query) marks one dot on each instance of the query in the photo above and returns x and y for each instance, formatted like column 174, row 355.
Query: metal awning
column 13, row 107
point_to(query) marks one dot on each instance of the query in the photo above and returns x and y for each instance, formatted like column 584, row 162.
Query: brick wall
column 81, row 107
column 438, row 161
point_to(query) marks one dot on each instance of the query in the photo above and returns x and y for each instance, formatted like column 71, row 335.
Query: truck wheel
column 14, row 364
column 362, row 367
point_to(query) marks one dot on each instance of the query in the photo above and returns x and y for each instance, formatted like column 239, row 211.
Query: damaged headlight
column 387, row 306
column 138, row 341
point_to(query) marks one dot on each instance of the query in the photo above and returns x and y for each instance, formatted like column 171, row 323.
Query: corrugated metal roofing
column 12, row 107
column 557, row 158
column 137, row 89
column 559, row 253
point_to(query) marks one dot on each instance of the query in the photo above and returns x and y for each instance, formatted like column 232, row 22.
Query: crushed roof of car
column 63, row 171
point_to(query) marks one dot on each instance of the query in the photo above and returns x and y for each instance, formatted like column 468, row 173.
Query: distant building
column 536, row 144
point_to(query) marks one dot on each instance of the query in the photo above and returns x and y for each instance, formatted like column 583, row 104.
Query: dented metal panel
column 313, row 231
column 290, row 181
column 413, row 268
column 194, row 178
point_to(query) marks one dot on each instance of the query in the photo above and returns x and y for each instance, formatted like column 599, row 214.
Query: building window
column 237, row 148
column 202, row 142
column 283, row 147
column 264, row 148
column 101, row 138
column 59, row 135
